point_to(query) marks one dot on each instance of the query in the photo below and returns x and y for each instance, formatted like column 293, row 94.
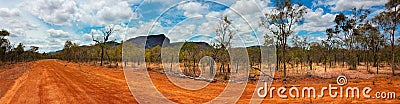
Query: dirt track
column 55, row 81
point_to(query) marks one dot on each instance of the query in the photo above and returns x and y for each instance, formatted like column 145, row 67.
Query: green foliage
column 9, row 54
column 389, row 21
column 287, row 16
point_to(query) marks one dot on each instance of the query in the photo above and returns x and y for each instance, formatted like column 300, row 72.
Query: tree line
column 13, row 54
column 353, row 39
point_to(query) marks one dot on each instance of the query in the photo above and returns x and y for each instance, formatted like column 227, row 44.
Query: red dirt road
column 53, row 81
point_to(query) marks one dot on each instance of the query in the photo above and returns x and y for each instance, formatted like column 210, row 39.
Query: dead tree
column 106, row 33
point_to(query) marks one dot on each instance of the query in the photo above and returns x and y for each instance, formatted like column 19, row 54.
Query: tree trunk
column 220, row 67
column 172, row 60
column 277, row 58
column 223, row 67
column 311, row 62
column 229, row 69
column 211, row 68
column 394, row 31
column 297, row 68
column 102, row 56
column 301, row 65
column 376, row 64
column 284, row 61
column 366, row 59
column 138, row 61
column 109, row 59
column 367, row 63
column 237, row 67
column 194, row 67
column 377, row 68
column 343, row 60
column 325, row 64
column 392, row 44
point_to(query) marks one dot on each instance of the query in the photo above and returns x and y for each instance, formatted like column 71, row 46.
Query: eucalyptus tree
column 67, row 52
column 346, row 30
column 314, row 47
column 326, row 52
column 191, row 55
column 19, row 51
column 299, row 48
column 281, row 23
column 330, row 44
column 32, row 53
column 375, row 41
column 4, row 43
column 389, row 21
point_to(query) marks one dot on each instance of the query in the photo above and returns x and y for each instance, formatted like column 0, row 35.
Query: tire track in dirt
column 8, row 76
column 53, row 81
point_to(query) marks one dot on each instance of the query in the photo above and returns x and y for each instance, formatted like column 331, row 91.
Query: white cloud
column 105, row 12
column 9, row 3
column 323, row 3
column 243, row 13
column 143, row 29
column 246, row 7
column 58, row 33
column 349, row 4
column 121, row 12
column 57, row 12
column 208, row 27
column 317, row 21
column 213, row 14
column 245, row 16
column 31, row 21
column 182, row 32
column 57, row 38
column 193, row 9
column 13, row 21
column 341, row 5
column 6, row 12
column 86, row 38
column 91, row 12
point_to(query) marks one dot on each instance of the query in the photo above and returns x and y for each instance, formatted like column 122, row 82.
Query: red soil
column 55, row 81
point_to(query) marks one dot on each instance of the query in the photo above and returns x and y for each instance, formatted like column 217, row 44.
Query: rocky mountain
column 154, row 40
column 151, row 40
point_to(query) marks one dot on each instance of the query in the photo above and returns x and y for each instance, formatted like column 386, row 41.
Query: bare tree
column 224, row 33
column 106, row 33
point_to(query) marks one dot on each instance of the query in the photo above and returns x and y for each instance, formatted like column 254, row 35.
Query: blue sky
column 49, row 23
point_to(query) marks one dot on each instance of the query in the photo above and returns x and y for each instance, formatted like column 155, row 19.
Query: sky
column 49, row 23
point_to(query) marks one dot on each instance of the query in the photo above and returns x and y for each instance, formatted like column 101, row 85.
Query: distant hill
column 150, row 41
column 54, row 52
column 158, row 40
column 203, row 44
